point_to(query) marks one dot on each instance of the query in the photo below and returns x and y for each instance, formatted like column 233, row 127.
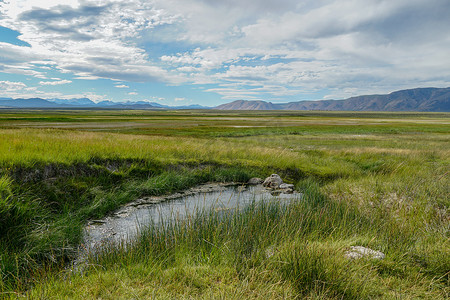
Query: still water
column 124, row 225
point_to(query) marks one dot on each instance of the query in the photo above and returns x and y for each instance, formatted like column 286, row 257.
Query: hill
column 419, row 99
column 248, row 105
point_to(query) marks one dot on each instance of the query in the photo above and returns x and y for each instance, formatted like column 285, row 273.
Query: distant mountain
column 193, row 106
column 420, row 99
column 130, row 105
column 30, row 103
column 248, row 105
column 106, row 103
column 87, row 103
column 74, row 101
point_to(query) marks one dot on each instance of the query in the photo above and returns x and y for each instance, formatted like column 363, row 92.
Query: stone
column 286, row 186
column 255, row 181
column 357, row 252
column 276, row 193
column 270, row 251
column 273, row 181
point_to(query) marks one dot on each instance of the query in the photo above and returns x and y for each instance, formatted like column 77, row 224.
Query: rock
column 96, row 222
column 273, row 181
column 287, row 188
column 255, row 181
column 357, row 252
column 276, row 193
column 270, row 251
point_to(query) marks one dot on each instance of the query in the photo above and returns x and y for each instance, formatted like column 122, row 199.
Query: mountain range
column 87, row 103
column 419, row 99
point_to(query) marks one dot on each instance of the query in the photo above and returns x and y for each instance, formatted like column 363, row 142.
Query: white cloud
column 21, row 90
column 332, row 45
column 12, row 85
column 180, row 99
column 247, row 49
column 122, row 86
column 92, row 39
column 59, row 82
column 132, row 93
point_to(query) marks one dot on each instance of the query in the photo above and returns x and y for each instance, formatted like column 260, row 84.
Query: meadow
column 379, row 180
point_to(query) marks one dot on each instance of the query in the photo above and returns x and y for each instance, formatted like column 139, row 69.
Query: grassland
column 373, row 179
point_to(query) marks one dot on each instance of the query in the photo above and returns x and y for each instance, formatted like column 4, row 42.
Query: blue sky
column 207, row 52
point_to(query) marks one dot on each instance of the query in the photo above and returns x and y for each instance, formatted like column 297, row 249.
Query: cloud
column 257, row 49
column 180, row 99
column 122, row 86
column 132, row 93
column 65, row 20
column 59, row 82
column 12, row 85
column 334, row 45
column 33, row 92
column 88, row 39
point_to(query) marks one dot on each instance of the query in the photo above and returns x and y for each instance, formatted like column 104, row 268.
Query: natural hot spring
column 124, row 224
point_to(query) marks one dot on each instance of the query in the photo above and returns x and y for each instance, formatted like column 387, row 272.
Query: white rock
column 286, row 186
column 270, row 251
column 357, row 252
column 273, row 181
column 255, row 181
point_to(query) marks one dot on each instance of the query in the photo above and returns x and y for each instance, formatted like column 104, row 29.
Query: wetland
column 375, row 180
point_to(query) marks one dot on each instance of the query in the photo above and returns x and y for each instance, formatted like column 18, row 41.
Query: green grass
column 226, row 254
column 373, row 179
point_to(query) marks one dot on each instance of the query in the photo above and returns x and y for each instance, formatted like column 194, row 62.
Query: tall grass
column 374, row 180
column 297, row 248
column 42, row 219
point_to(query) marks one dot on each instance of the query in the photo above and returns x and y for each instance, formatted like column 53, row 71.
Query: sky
column 209, row 52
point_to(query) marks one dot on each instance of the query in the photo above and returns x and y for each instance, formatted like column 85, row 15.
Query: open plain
column 378, row 180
